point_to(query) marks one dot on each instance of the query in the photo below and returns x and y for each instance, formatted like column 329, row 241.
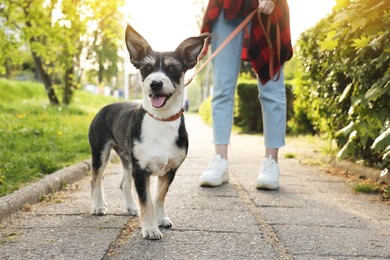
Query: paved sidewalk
column 312, row 216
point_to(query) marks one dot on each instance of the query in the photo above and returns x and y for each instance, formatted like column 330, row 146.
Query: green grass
column 367, row 187
column 290, row 155
column 37, row 138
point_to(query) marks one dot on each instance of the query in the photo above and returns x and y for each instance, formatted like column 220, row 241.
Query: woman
column 267, row 45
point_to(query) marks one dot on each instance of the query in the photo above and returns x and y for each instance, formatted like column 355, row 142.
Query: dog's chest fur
column 157, row 151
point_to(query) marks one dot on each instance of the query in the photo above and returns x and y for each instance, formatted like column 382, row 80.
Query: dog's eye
column 147, row 68
column 171, row 68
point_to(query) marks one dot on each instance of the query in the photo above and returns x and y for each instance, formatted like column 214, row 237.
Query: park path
column 313, row 215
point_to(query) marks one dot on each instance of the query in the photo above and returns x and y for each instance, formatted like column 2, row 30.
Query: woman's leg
column 272, row 96
column 226, row 68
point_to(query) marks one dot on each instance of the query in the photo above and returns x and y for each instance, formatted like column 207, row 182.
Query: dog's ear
column 137, row 46
column 193, row 49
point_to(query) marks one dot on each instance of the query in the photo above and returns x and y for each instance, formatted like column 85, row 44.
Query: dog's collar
column 169, row 119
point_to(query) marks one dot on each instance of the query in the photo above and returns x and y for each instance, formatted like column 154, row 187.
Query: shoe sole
column 267, row 186
column 211, row 183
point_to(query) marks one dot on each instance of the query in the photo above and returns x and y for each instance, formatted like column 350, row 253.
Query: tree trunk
column 100, row 73
column 46, row 80
column 69, row 85
column 7, row 70
column 39, row 67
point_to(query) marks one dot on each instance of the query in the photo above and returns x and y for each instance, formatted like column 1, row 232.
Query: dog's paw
column 133, row 212
column 99, row 210
column 165, row 222
column 151, row 233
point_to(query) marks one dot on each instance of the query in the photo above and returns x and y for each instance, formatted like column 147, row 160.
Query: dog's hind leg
column 126, row 187
column 148, row 216
column 162, row 188
column 99, row 161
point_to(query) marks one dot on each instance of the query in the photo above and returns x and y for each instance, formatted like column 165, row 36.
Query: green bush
column 247, row 111
column 290, row 105
column 300, row 120
column 344, row 87
column 205, row 111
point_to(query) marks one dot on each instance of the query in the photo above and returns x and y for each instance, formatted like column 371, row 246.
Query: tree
column 62, row 37
column 107, row 48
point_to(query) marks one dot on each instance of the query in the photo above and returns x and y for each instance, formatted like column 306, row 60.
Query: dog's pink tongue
column 157, row 101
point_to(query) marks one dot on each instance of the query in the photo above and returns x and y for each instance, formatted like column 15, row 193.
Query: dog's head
column 163, row 72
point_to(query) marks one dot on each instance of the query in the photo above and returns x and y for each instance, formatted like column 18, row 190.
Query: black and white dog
column 150, row 138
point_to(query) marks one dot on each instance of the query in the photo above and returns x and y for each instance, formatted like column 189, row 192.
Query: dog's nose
column 156, row 85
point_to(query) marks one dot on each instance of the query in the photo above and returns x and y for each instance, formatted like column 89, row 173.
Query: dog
column 150, row 137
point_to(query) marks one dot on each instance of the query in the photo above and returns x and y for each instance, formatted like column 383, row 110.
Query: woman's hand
column 266, row 6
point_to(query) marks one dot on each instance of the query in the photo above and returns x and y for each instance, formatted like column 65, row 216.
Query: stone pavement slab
column 312, row 216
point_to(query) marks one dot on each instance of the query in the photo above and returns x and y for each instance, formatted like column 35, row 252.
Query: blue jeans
column 226, row 68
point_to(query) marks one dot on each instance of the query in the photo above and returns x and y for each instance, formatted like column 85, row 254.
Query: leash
column 269, row 42
column 235, row 32
column 267, row 33
column 225, row 42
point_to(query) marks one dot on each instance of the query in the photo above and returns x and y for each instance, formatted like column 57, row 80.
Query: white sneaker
column 269, row 175
column 216, row 174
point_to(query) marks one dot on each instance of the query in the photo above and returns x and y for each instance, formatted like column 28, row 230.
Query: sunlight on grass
column 37, row 138
column 309, row 149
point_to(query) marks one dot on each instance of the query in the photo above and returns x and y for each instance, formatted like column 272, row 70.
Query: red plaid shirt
column 255, row 48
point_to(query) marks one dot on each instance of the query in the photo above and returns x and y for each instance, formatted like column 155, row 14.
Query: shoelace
column 269, row 163
column 216, row 163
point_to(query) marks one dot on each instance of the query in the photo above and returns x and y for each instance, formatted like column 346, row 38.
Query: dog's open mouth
column 159, row 100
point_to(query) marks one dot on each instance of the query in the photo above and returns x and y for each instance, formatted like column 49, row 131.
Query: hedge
column 344, row 83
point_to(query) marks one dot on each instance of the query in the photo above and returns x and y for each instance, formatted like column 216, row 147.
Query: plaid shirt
column 255, row 48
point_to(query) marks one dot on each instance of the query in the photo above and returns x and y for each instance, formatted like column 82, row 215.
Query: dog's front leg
column 162, row 188
column 148, row 217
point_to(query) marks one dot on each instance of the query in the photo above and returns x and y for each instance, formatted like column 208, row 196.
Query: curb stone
column 361, row 171
column 54, row 182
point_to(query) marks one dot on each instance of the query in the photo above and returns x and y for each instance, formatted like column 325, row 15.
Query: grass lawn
column 37, row 138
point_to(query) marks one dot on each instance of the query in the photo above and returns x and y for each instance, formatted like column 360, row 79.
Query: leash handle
column 267, row 33
column 225, row 42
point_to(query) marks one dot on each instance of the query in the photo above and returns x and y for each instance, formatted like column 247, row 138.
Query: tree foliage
column 62, row 36
column 344, row 85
